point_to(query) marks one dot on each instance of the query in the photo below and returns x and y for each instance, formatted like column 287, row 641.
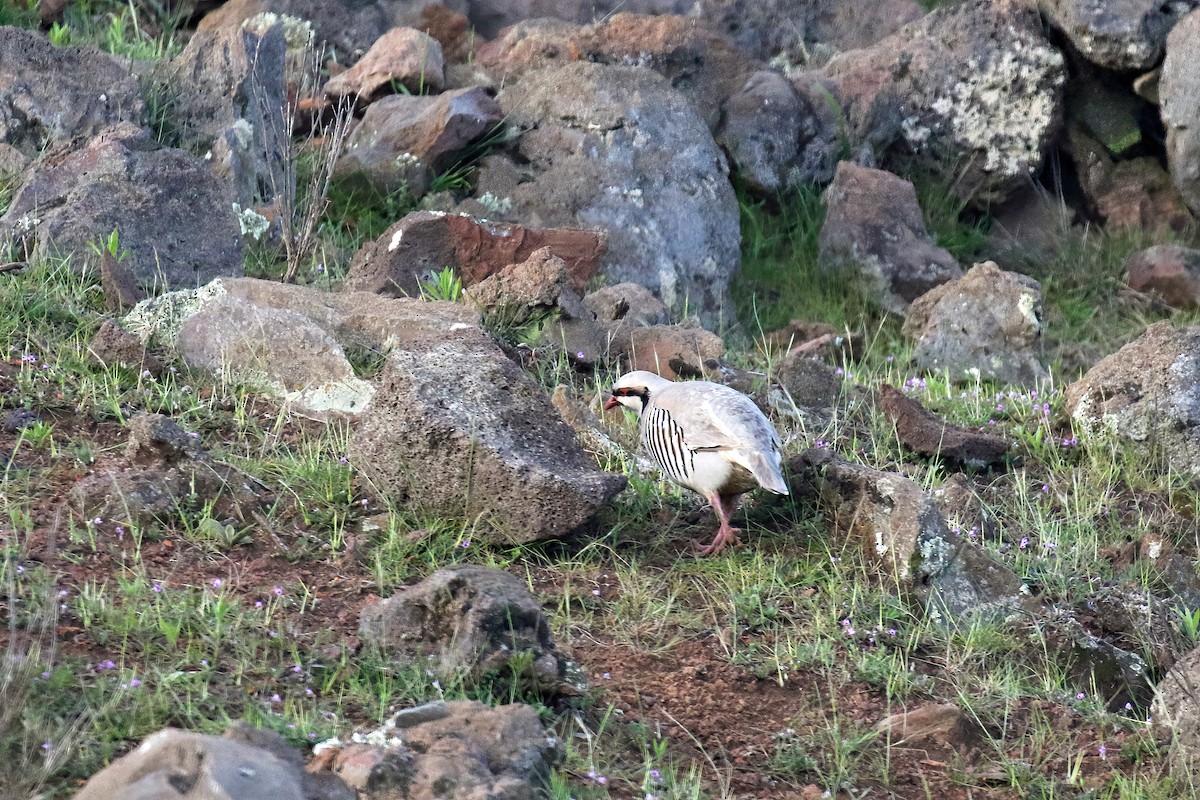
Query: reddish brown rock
column 119, row 284
column 424, row 241
column 115, row 346
column 672, row 351
column 451, row 29
column 402, row 56
column 1169, row 272
column 925, row 433
column 702, row 65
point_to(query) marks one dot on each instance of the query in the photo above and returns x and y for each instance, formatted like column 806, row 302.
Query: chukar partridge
column 707, row 437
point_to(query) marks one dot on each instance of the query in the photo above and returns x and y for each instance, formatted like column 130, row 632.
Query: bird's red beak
column 611, row 402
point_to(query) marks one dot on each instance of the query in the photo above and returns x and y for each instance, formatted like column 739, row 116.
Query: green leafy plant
column 442, row 285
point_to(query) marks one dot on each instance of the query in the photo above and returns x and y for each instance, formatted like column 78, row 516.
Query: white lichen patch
column 156, row 321
column 252, row 223
column 297, row 32
column 1003, row 106
column 495, row 205
column 350, row 395
column 1027, row 305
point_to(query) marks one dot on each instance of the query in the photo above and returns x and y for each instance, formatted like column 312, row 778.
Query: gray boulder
column 490, row 17
column 974, row 90
column 616, row 148
column 231, row 105
column 901, row 532
column 1176, row 708
column 241, row 765
column 1179, row 102
column 468, row 623
column 1119, row 35
column 1148, row 394
column 779, row 137
column 457, row 428
column 986, row 325
column 873, row 225
column 175, row 220
column 50, row 94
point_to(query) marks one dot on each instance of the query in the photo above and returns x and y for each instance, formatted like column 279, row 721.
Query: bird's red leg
column 726, row 534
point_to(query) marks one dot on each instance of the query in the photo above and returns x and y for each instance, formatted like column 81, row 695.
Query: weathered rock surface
column 701, row 65
column 175, row 219
column 404, row 139
column 625, row 305
column 873, row 224
column 240, row 765
column 930, row 723
column 923, row 432
column 401, row 57
column 449, row 403
column 986, row 325
column 290, row 340
column 974, row 89
column 231, row 104
column 347, row 27
column 458, row 749
column 428, row 241
column 809, row 383
column 793, row 32
column 778, row 136
column 164, row 472
column 1176, row 707
column 1120, row 35
column 468, row 623
column 617, row 149
column 50, row 94
column 1147, row 393
column 1179, row 97
column 115, row 346
column 1167, row 271
column 901, row 532
column 490, row 17
column 673, row 351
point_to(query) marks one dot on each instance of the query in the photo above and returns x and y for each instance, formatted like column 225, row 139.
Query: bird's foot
column 724, row 538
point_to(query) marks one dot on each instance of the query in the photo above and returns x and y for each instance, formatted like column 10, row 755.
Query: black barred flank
column 663, row 439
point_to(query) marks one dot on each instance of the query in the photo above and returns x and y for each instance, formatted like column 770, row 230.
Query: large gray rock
column 973, row 89
column 49, row 93
column 779, row 137
column 244, row 764
column 231, row 105
column 1176, row 708
column 1179, row 99
column 1119, row 35
column 1148, row 394
column 873, row 225
column 900, row 531
column 986, row 325
column 468, row 623
column 175, row 220
column 616, row 148
column 292, row 341
column 456, row 428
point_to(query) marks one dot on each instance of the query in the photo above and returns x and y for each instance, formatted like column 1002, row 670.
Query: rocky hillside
column 308, row 309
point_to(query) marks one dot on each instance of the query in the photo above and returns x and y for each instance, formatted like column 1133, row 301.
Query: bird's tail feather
column 769, row 475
